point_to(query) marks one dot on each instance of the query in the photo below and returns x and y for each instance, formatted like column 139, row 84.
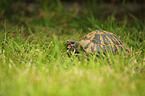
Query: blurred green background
column 99, row 8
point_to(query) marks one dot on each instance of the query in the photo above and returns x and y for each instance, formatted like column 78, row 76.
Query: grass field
column 34, row 62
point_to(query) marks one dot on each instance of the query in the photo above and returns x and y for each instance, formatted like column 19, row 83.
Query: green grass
column 34, row 62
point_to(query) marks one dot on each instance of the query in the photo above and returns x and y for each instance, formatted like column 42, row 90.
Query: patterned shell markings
column 97, row 40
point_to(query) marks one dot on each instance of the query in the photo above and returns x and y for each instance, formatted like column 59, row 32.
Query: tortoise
column 96, row 42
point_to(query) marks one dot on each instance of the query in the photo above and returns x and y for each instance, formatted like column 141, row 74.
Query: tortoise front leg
column 85, row 55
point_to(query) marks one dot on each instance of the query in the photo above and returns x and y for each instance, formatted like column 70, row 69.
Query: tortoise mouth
column 72, row 46
column 68, row 46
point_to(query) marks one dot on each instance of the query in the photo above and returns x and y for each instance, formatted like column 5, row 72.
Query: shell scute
column 97, row 40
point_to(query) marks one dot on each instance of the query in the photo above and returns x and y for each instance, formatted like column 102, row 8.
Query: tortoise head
column 72, row 46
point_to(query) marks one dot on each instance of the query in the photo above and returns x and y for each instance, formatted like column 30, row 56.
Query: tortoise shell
column 99, row 39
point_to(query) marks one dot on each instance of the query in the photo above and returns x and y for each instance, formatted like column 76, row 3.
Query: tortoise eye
column 72, row 42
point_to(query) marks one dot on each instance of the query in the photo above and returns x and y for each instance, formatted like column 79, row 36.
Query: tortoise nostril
column 68, row 41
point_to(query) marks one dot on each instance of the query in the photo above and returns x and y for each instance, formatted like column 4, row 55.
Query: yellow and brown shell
column 98, row 40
